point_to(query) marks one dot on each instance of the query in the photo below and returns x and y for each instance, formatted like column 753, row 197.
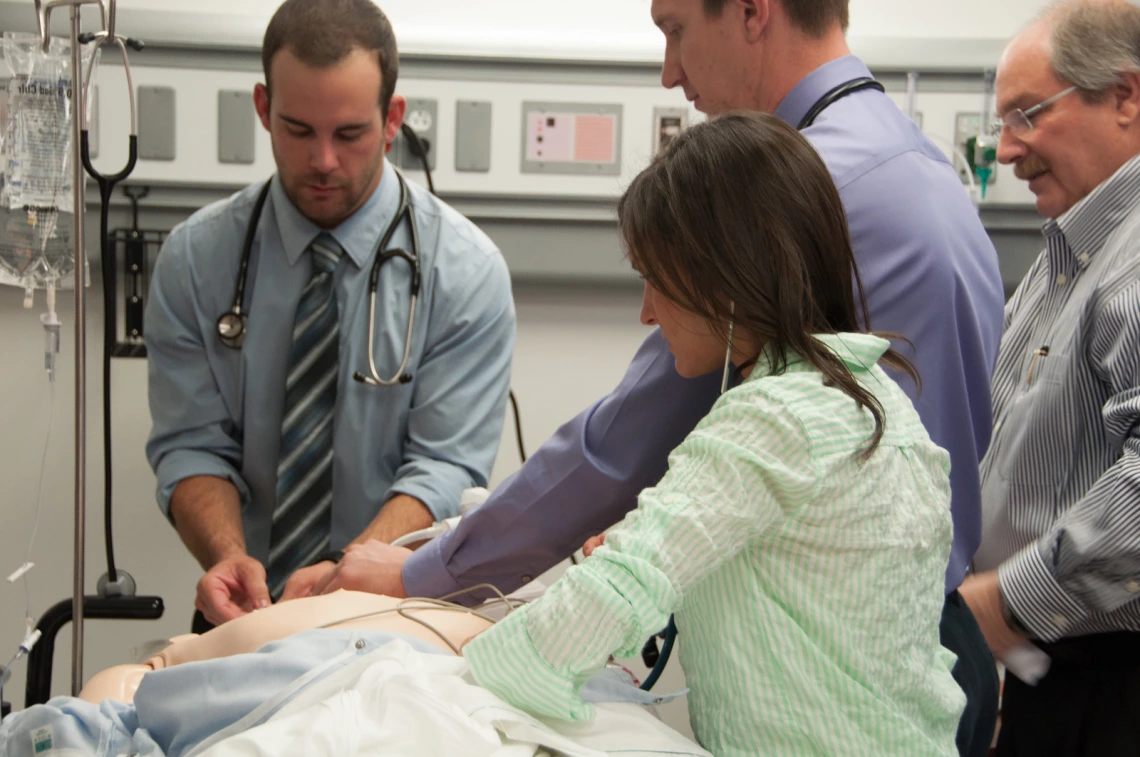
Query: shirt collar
column 1086, row 225
column 357, row 235
column 818, row 83
column 859, row 352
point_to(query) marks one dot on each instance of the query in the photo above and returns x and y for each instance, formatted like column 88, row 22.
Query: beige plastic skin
column 251, row 632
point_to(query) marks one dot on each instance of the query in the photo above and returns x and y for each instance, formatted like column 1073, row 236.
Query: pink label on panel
column 549, row 137
column 594, row 139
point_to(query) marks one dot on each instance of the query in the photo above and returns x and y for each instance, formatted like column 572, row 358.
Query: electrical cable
column 107, row 264
column 420, row 150
column 402, row 609
column 518, row 424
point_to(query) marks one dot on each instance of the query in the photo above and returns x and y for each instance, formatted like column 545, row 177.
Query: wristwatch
column 1011, row 619
column 333, row 555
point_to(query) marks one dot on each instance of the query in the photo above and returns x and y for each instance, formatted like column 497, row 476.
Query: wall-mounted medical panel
column 668, row 123
column 473, row 135
column 571, row 138
column 157, row 119
column 422, row 117
column 497, row 174
column 966, row 126
column 236, row 127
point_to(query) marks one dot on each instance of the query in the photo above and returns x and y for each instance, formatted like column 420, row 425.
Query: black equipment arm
column 38, row 687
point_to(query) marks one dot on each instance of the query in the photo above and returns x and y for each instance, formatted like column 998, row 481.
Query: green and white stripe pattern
column 807, row 584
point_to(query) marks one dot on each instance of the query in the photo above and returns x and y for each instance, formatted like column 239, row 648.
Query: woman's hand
column 593, row 543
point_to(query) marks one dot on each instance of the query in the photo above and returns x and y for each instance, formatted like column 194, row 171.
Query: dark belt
column 1100, row 651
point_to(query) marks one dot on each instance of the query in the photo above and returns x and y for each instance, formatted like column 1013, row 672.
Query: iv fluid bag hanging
column 36, row 193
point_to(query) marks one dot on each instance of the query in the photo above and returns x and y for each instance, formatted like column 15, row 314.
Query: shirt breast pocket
column 1036, row 439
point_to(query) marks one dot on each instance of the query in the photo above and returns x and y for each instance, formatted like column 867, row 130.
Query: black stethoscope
column 838, row 93
column 233, row 323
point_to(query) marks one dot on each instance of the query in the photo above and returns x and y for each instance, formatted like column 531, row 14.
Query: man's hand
column 593, row 543
column 373, row 566
column 983, row 596
column 232, row 588
column 304, row 580
column 400, row 515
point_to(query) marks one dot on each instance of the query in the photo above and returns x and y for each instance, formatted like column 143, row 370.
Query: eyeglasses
column 1019, row 121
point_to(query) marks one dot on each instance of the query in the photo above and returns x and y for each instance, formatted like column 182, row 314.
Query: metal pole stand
column 78, row 116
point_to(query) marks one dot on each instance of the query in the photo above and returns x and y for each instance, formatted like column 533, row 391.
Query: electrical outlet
column 421, row 117
column 668, row 123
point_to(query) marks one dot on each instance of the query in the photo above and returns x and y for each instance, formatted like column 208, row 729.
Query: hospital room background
column 476, row 74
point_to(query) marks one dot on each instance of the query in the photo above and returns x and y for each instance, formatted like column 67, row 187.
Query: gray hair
column 1094, row 42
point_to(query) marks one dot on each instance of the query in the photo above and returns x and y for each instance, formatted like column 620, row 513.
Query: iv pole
column 79, row 109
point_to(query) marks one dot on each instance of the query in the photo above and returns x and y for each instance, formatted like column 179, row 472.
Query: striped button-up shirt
column 807, row 582
column 1061, row 480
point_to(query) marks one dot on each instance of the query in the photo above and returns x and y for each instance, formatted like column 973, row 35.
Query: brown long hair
column 739, row 220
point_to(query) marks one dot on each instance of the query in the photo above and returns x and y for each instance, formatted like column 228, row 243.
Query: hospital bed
column 324, row 675
column 625, row 720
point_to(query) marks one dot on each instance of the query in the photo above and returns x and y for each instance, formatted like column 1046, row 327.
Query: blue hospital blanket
column 177, row 708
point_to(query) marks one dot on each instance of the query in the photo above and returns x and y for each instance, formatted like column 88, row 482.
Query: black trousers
column 1088, row 705
column 975, row 672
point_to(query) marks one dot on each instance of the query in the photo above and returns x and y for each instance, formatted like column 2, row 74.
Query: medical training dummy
column 342, row 609
column 328, row 676
column 802, row 531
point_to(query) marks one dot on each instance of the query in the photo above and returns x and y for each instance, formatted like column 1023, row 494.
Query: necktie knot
column 326, row 252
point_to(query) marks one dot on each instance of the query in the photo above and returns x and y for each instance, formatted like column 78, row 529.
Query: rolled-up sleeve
column 456, row 418
column 581, row 481
column 1089, row 562
column 724, row 488
column 193, row 432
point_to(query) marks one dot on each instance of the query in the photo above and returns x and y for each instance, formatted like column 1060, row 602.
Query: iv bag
column 36, row 196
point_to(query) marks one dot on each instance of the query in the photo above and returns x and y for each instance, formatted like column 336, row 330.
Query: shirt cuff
column 436, row 486
column 1034, row 596
column 181, row 464
column 504, row 660
column 425, row 572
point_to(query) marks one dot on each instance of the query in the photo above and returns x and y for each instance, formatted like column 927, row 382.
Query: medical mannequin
column 250, row 632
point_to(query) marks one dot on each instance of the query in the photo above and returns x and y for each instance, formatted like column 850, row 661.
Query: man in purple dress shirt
column 930, row 273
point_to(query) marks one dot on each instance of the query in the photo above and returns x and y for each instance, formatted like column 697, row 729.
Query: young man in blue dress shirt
column 269, row 455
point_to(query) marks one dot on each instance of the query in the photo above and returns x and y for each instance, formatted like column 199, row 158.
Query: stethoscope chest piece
column 231, row 328
column 233, row 323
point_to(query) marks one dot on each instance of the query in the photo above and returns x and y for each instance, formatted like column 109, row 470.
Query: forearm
column 207, row 515
column 1087, row 564
column 583, row 480
column 400, row 515
column 537, row 660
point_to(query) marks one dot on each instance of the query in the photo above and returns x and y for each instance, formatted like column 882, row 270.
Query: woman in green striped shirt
column 802, row 530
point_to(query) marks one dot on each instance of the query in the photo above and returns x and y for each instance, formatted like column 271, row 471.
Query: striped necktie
column 302, row 518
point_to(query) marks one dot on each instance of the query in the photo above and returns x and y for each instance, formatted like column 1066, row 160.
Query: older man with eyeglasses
column 1059, row 565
